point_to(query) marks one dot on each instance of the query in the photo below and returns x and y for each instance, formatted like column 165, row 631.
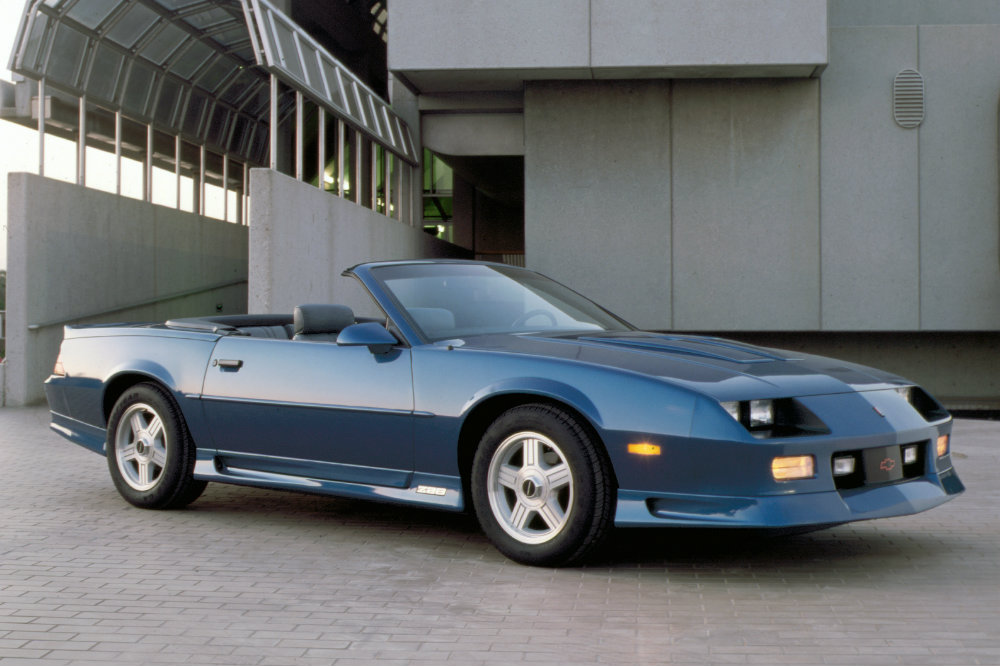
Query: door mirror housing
column 369, row 334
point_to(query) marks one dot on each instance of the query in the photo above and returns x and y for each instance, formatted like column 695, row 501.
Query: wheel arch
column 122, row 382
column 174, row 485
column 486, row 411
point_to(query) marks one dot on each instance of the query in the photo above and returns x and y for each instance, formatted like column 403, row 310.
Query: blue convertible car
column 482, row 386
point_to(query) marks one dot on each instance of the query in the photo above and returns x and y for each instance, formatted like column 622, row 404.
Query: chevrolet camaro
column 484, row 387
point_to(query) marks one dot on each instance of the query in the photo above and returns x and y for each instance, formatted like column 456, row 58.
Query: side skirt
column 430, row 490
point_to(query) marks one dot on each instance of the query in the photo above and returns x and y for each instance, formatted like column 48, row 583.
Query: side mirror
column 369, row 334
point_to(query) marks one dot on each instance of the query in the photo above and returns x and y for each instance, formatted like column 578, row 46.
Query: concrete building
column 811, row 174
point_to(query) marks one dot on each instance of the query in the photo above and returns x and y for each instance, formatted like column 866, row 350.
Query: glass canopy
column 197, row 69
column 299, row 60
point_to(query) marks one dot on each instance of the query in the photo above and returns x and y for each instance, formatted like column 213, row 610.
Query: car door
column 312, row 409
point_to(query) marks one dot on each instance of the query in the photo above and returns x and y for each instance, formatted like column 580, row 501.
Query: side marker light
column 644, row 449
column 942, row 445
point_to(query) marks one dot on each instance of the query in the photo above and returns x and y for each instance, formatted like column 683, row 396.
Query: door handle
column 228, row 363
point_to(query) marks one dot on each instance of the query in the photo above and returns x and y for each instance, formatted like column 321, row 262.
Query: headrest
column 321, row 318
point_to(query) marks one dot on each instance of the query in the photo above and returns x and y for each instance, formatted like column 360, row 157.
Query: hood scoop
column 713, row 348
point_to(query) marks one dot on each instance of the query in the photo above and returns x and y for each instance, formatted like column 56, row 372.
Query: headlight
column 754, row 414
column 761, row 413
column 767, row 418
column 732, row 408
column 920, row 400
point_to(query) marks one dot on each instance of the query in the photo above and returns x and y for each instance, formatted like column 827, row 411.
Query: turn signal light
column 644, row 449
column 942, row 445
column 58, row 369
column 790, row 468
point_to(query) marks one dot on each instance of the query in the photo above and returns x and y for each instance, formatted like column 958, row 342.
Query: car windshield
column 445, row 301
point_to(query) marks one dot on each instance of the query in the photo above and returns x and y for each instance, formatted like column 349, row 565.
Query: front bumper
column 645, row 509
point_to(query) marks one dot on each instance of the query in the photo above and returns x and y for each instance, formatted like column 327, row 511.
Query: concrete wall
column 959, row 217
column 474, row 133
column 779, row 204
column 440, row 45
column 699, row 36
column 298, row 257
column 913, row 12
column 697, row 199
column 910, row 217
column 870, row 185
column 597, row 193
column 475, row 40
column 745, row 205
column 73, row 252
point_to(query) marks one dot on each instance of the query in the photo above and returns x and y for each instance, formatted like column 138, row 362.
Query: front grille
column 880, row 466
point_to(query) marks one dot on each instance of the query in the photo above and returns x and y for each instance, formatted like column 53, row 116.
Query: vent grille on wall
column 908, row 98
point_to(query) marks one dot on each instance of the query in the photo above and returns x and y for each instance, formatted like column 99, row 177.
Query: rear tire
column 150, row 453
column 541, row 488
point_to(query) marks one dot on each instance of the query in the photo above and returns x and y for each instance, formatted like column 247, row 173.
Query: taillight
column 58, row 369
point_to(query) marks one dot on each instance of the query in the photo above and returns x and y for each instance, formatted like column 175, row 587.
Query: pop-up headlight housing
column 920, row 400
column 769, row 418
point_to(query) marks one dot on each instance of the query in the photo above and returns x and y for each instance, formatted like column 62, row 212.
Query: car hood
column 723, row 369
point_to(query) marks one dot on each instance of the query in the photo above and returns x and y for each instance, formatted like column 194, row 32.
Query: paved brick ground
column 260, row 577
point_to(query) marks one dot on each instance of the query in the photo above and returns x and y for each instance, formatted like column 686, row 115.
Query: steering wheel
column 523, row 319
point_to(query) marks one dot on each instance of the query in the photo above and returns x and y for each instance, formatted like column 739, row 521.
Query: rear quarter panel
column 93, row 358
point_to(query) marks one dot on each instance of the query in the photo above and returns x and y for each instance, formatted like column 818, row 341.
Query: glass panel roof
column 132, row 25
column 92, row 13
column 64, row 62
column 178, row 4
column 150, row 59
column 168, row 40
column 195, row 68
column 191, row 59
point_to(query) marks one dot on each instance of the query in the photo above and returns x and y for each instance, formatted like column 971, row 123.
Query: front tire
column 150, row 453
column 541, row 487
